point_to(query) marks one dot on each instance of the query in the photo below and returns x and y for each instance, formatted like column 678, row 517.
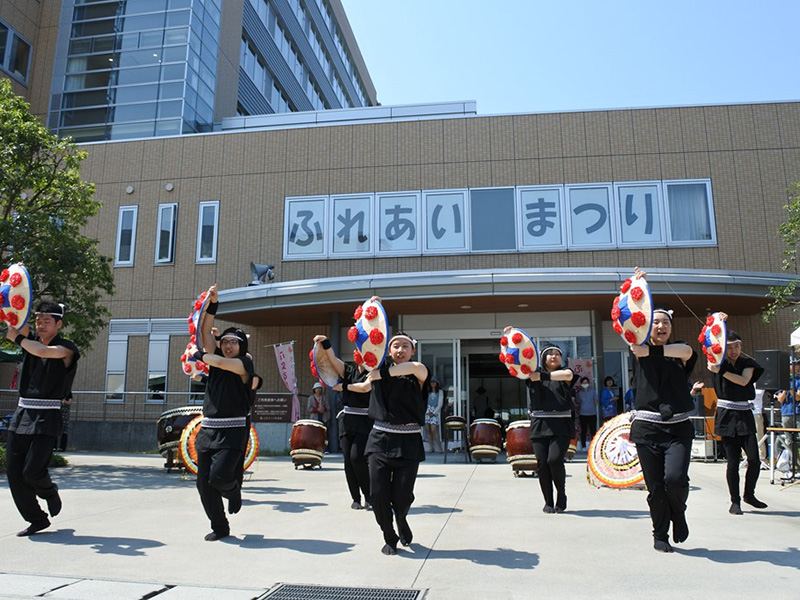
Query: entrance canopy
column 311, row 301
column 794, row 339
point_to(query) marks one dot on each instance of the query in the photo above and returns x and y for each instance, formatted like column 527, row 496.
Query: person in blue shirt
column 629, row 402
column 789, row 406
column 608, row 399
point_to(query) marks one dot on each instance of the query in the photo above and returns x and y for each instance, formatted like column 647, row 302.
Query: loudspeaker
column 261, row 273
column 776, row 369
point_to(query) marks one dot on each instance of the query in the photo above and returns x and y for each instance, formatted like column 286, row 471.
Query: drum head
column 714, row 338
column 632, row 312
column 518, row 353
column 188, row 452
column 370, row 335
column 612, row 460
column 15, row 296
column 323, row 368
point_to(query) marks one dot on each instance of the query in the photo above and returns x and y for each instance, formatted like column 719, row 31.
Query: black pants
column 356, row 469
column 733, row 451
column 27, row 459
column 665, row 466
column 550, row 453
column 218, row 477
column 392, row 491
column 588, row 426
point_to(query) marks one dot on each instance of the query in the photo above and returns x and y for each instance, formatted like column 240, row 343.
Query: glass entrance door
column 443, row 360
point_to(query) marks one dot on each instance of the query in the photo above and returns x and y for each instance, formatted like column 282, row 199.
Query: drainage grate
column 286, row 591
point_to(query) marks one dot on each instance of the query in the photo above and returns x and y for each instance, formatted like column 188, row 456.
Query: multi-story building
column 122, row 70
column 461, row 223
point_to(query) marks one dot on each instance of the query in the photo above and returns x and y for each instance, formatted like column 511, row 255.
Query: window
column 207, row 222
column 639, row 210
column 15, row 53
column 691, row 218
column 445, row 221
column 116, row 363
column 126, row 236
column 591, row 216
column 165, row 234
column 493, row 219
column 157, row 360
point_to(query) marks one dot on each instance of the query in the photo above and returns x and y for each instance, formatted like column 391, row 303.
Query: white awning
column 795, row 338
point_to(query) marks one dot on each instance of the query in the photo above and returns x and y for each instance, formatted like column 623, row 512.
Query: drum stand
column 450, row 434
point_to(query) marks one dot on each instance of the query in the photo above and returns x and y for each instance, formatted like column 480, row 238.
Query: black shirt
column 354, row 424
column 398, row 401
column 731, row 423
column 226, row 396
column 662, row 382
column 551, row 396
column 48, row 379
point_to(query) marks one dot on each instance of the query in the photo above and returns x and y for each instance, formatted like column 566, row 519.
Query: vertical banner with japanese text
column 284, row 354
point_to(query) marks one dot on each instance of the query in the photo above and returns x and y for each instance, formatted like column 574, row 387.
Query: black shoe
column 389, row 550
column 405, row 532
column 754, row 502
column 548, row 509
column 561, row 503
column 235, row 503
column 54, row 503
column 356, row 505
column 735, row 509
column 680, row 529
column 34, row 528
column 214, row 536
column 662, row 546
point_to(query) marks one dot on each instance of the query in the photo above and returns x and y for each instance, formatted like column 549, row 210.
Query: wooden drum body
column 170, row 426
column 308, row 442
column 573, row 447
column 485, row 439
column 455, row 423
column 519, row 449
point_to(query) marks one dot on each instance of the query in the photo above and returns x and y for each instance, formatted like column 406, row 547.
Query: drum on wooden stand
column 308, row 442
column 519, row 448
column 170, row 426
column 573, row 447
column 485, row 439
column 188, row 452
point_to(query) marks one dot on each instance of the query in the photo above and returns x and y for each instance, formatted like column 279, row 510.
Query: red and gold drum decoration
column 190, row 365
column 518, row 353
column 321, row 366
column 632, row 312
column 519, row 448
column 573, row 447
column 15, row 296
column 370, row 335
column 307, row 444
column 714, row 339
column 188, row 452
column 612, row 459
column 485, row 439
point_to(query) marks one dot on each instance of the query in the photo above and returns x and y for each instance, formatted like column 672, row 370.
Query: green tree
column 784, row 296
column 43, row 206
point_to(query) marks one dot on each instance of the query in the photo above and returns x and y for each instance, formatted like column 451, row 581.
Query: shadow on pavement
column 305, row 546
column 499, row 557
column 431, row 509
column 109, row 477
column 781, row 558
column 251, row 489
column 287, row 507
column 102, row 545
column 609, row 513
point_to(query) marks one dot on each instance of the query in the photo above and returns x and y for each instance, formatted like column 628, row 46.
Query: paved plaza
column 129, row 530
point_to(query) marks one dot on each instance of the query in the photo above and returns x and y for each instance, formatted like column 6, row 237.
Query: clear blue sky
column 516, row 56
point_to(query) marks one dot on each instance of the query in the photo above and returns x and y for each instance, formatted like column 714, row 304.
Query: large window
column 15, row 53
column 691, row 217
column 165, row 234
column 116, row 364
column 207, row 227
column 126, row 236
column 157, row 359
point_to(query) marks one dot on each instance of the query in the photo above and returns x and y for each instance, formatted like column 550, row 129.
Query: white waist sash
column 548, row 414
column 39, row 403
column 392, row 428
column 225, row 423
column 655, row 417
column 732, row 405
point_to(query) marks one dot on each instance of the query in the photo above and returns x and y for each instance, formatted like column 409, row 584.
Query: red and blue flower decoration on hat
column 632, row 312
column 369, row 334
column 15, row 295
column 714, row 339
column 192, row 366
column 518, row 353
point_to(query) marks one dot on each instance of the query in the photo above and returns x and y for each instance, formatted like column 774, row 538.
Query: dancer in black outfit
column 552, row 424
column 394, row 448
column 355, row 425
column 661, row 428
column 734, row 383
column 48, row 368
column 222, row 439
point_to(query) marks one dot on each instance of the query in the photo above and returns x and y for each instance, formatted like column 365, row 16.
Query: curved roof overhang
column 311, row 302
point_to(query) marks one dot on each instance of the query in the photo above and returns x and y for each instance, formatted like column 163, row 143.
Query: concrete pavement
column 130, row 530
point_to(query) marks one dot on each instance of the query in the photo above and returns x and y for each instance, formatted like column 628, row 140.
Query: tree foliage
column 44, row 203
column 784, row 296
